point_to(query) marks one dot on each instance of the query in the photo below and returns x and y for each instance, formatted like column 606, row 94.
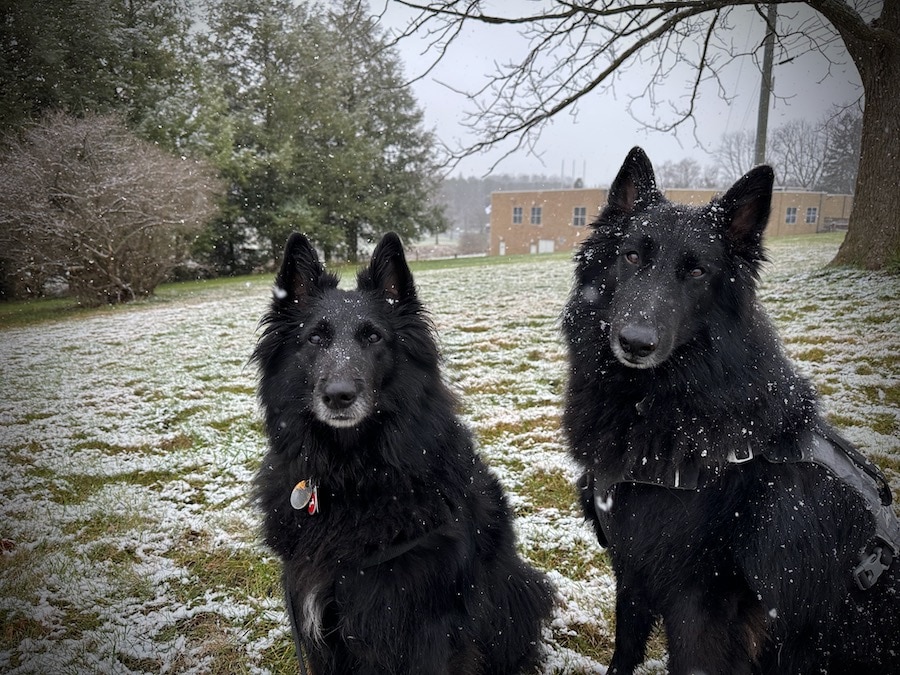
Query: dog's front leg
column 713, row 630
column 392, row 625
column 634, row 620
column 421, row 649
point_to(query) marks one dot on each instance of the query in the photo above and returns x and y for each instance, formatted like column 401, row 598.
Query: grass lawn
column 129, row 436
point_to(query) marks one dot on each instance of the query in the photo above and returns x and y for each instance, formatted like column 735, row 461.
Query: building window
column 791, row 216
column 517, row 215
column 812, row 214
column 535, row 215
column 579, row 216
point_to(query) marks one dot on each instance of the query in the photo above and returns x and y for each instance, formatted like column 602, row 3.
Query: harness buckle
column 735, row 458
column 877, row 561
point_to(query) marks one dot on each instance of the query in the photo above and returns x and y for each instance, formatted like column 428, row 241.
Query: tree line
column 138, row 133
column 820, row 156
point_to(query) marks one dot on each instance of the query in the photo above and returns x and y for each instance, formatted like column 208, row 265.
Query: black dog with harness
column 730, row 510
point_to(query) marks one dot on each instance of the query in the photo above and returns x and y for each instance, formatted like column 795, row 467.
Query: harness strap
column 428, row 540
column 826, row 449
column 292, row 615
column 847, row 464
column 860, row 460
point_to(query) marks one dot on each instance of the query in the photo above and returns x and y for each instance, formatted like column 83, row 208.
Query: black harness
column 826, row 449
column 298, row 645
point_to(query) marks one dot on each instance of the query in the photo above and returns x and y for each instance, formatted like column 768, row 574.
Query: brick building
column 544, row 221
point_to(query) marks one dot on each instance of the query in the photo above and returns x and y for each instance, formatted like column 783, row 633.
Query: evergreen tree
column 325, row 137
column 254, row 54
column 83, row 56
column 156, row 74
column 378, row 171
column 844, row 134
column 53, row 54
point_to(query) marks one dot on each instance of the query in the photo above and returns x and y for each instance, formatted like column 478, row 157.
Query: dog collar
column 305, row 495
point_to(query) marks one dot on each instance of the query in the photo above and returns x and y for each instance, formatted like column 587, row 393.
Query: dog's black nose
column 638, row 340
column 339, row 394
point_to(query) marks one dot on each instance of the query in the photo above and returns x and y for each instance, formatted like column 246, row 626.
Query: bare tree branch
column 576, row 48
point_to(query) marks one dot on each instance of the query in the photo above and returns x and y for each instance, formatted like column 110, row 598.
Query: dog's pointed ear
column 745, row 208
column 388, row 271
column 635, row 185
column 301, row 271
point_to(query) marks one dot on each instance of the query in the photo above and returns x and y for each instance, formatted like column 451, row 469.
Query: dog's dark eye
column 696, row 272
column 373, row 337
column 315, row 339
column 633, row 257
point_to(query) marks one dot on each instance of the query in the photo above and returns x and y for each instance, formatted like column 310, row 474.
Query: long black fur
column 673, row 365
column 409, row 565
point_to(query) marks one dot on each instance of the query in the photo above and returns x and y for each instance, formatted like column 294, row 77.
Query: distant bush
column 474, row 242
column 86, row 203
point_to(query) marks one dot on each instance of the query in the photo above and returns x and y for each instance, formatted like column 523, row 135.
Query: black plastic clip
column 872, row 565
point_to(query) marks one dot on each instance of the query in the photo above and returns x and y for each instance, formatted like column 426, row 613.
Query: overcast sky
column 593, row 143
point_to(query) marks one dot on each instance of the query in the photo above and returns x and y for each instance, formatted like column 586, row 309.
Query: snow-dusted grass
column 128, row 440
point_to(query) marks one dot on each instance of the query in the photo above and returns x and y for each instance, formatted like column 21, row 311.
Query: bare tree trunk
column 351, row 237
column 873, row 240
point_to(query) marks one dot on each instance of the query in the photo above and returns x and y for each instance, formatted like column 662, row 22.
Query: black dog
column 731, row 510
column 398, row 550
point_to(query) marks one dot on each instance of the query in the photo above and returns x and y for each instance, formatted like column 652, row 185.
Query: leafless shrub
column 85, row 201
column 735, row 154
column 685, row 173
column 797, row 151
column 474, row 242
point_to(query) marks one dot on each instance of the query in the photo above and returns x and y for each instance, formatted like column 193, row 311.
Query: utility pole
column 765, row 87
